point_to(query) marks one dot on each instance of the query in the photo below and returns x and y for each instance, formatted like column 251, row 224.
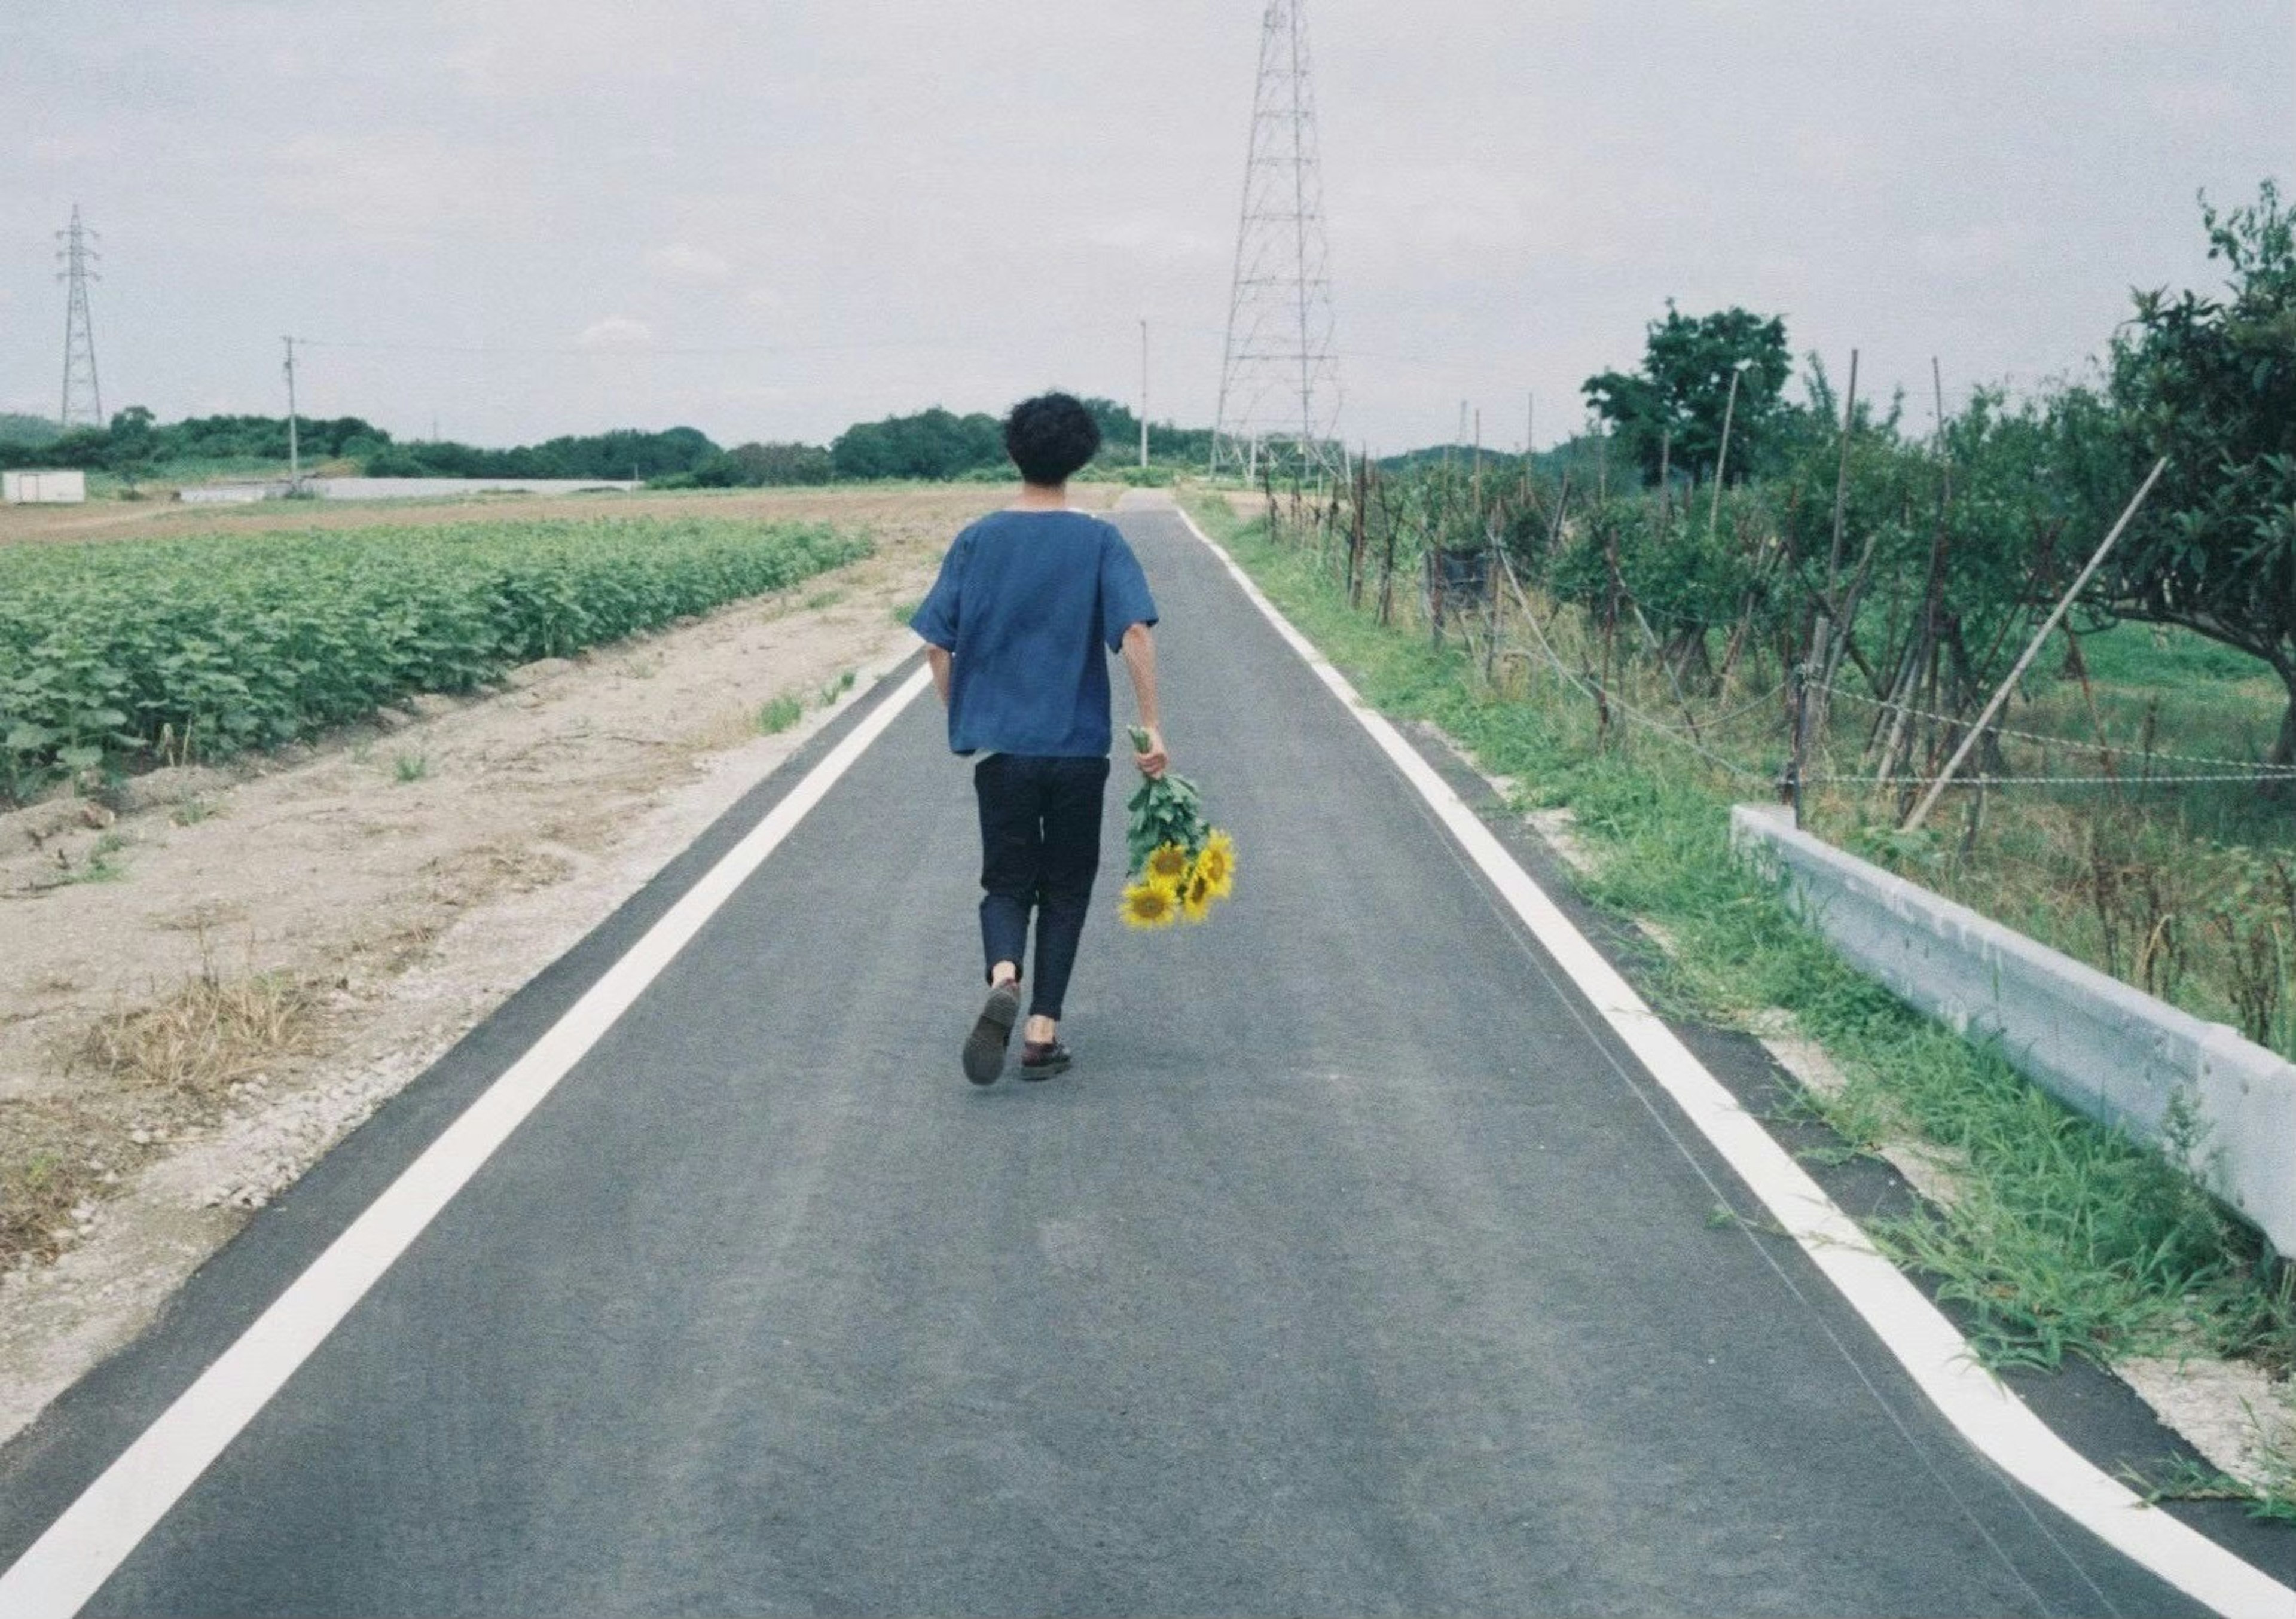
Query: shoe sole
column 992, row 1032
column 1043, row 1070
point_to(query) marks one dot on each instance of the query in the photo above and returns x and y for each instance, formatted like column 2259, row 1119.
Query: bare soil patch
column 207, row 985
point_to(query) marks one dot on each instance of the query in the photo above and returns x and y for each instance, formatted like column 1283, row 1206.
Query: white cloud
column 615, row 332
column 765, row 300
column 1974, row 250
column 1161, row 236
column 1399, row 219
column 539, row 48
column 397, row 185
column 61, row 149
column 2199, row 104
column 683, row 261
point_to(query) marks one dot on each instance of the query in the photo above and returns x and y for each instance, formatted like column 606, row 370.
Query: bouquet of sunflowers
column 1179, row 864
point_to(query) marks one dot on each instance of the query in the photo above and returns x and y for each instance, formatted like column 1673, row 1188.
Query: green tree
column 2210, row 383
column 1673, row 407
column 935, row 444
column 18, row 429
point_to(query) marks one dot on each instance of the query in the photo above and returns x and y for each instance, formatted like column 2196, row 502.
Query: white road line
column 70, row 1562
column 1986, row 1412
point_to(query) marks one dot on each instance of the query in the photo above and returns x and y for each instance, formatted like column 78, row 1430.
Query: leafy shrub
column 213, row 644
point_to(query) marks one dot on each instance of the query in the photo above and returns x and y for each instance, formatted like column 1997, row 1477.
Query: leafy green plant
column 108, row 652
column 410, row 767
column 2209, row 383
column 102, row 864
column 780, row 714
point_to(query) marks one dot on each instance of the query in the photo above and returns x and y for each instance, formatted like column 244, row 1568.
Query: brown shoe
column 1043, row 1058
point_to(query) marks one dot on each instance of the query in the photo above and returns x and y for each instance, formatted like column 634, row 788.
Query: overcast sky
column 768, row 218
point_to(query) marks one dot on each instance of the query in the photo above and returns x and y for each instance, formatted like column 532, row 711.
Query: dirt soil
column 213, row 976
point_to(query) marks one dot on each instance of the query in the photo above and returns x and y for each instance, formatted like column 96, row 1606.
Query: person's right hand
column 1153, row 759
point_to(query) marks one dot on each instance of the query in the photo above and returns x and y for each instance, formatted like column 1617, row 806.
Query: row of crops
column 113, row 655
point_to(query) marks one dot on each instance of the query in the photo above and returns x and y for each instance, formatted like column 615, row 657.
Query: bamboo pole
column 1722, row 453
column 1841, row 481
column 2040, row 638
column 1823, row 628
column 1491, row 600
column 1357, row 534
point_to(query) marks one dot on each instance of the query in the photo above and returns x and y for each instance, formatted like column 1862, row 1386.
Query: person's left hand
column 1153, row 759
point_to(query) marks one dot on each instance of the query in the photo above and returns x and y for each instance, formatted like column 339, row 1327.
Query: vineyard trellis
column 1742, row 658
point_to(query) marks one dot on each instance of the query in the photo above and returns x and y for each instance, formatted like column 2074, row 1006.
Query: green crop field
column 114, row 655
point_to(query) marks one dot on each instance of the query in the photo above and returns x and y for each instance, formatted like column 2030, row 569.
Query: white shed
column 43, row 488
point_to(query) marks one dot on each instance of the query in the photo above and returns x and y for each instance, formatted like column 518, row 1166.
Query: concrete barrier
column 2112, row 1052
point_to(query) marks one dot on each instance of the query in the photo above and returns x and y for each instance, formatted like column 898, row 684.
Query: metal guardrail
column 2111, row 1053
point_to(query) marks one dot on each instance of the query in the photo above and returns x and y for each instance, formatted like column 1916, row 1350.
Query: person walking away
column 1013, row 628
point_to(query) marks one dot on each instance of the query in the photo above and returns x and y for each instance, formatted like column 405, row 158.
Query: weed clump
column 209, row 1033
column 780, row 714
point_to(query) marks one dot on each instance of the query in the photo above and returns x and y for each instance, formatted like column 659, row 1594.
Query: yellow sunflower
column 1216, row 865
column 1169, row 864
column 1196, row 898
column 1151, row 904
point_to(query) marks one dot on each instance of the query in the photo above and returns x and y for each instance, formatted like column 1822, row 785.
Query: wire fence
column 1499, row 620
column 2172, row 868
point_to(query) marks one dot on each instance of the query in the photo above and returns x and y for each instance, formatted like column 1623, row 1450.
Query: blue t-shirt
column 1024, row 603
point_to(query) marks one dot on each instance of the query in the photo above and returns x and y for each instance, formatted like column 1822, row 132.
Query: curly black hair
column 1050, row 436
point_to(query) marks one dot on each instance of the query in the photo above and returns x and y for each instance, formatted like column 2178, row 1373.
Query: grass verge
column 2066, row 1238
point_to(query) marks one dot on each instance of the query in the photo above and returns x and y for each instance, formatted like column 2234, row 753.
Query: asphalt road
column 1347, row 1273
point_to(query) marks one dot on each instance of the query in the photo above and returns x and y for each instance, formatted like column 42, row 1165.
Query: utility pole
column 1144, row 393
column 1279, row 373
column 83, row 400
column 294, row 457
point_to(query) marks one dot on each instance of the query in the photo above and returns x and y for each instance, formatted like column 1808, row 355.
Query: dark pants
column 1040, row 849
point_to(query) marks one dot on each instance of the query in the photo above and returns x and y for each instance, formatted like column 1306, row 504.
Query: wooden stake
column 1356, row 534
column 1722, row 455
column 1475, row 487
column 1491, row 594
column 1842, row 482
column 2032, row 649
column 1822, row 629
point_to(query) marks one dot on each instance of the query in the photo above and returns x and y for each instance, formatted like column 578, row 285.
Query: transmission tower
column 1279, row 378
column 83, row 401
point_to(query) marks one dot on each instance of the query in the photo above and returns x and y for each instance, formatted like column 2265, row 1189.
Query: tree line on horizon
column 933, row 445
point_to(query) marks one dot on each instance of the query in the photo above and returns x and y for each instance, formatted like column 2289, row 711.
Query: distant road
column 400, row 488
column 1350, row 1271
